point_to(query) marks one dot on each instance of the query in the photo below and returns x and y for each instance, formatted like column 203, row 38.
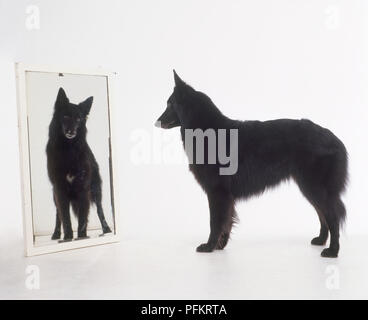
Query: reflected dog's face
column 72, row 117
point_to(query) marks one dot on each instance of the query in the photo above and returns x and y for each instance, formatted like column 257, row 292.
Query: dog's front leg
column 81, row 209
column 57, row 231
column 221, row 207
column 63, row 208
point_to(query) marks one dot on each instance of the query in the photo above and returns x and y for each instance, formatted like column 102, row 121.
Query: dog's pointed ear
column 86, row 105
column 178, row 81
column 61, row 99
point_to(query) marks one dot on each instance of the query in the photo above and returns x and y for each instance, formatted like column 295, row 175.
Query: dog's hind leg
column 334, row 217
column 322, row 187
column 323, row 232
column 96, row 197
column 101, row 216
column 221, row 208
column 331, row 212
column 316, row 195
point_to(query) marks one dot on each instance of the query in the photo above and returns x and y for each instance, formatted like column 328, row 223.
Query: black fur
column 72, row 167
column 269, row 152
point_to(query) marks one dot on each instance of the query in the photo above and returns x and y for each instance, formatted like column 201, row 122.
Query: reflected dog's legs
column 57, row 232
column 63, row 207
column 101, row 216
column 81, row 209
column 96, row 195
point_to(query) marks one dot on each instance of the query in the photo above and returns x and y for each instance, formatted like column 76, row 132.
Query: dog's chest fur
column 70, row 178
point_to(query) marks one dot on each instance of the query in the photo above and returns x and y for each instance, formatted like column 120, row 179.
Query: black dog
column 72, row 167
column 268, row 152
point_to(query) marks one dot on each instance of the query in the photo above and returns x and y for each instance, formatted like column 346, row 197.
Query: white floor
column 156, row 268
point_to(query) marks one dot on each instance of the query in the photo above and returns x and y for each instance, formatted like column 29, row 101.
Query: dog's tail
column 338, row 180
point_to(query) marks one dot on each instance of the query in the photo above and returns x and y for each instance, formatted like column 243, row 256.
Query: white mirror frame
column 30, row 248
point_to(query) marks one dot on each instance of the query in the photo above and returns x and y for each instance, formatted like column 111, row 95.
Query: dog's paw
column 106, row 229
column 67, row 237
column 318, row 241
column 204, row 247
column 329, row 253
column 56, row 236
column 82, row 237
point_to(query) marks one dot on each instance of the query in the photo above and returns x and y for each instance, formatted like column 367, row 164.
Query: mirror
column 66, row 158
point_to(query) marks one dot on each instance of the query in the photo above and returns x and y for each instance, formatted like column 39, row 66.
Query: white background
column 42, row 89
column 257, row 60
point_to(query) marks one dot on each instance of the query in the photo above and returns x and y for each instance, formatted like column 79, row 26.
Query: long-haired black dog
column 268, row 152
column 72, row 167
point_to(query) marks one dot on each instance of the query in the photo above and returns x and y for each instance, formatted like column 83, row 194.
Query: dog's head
column 173, row 115
column 72, row 117
column 187, row 108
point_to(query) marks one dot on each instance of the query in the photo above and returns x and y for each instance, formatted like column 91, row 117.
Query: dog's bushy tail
column 340, row 211
column 338, row 181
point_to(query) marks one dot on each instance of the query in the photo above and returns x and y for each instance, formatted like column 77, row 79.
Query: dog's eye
column 66, row 117
column 78, row 119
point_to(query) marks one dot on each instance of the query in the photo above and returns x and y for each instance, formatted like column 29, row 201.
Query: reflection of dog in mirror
column 72, row 167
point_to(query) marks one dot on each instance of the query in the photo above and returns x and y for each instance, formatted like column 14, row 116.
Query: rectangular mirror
column 67, row 158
